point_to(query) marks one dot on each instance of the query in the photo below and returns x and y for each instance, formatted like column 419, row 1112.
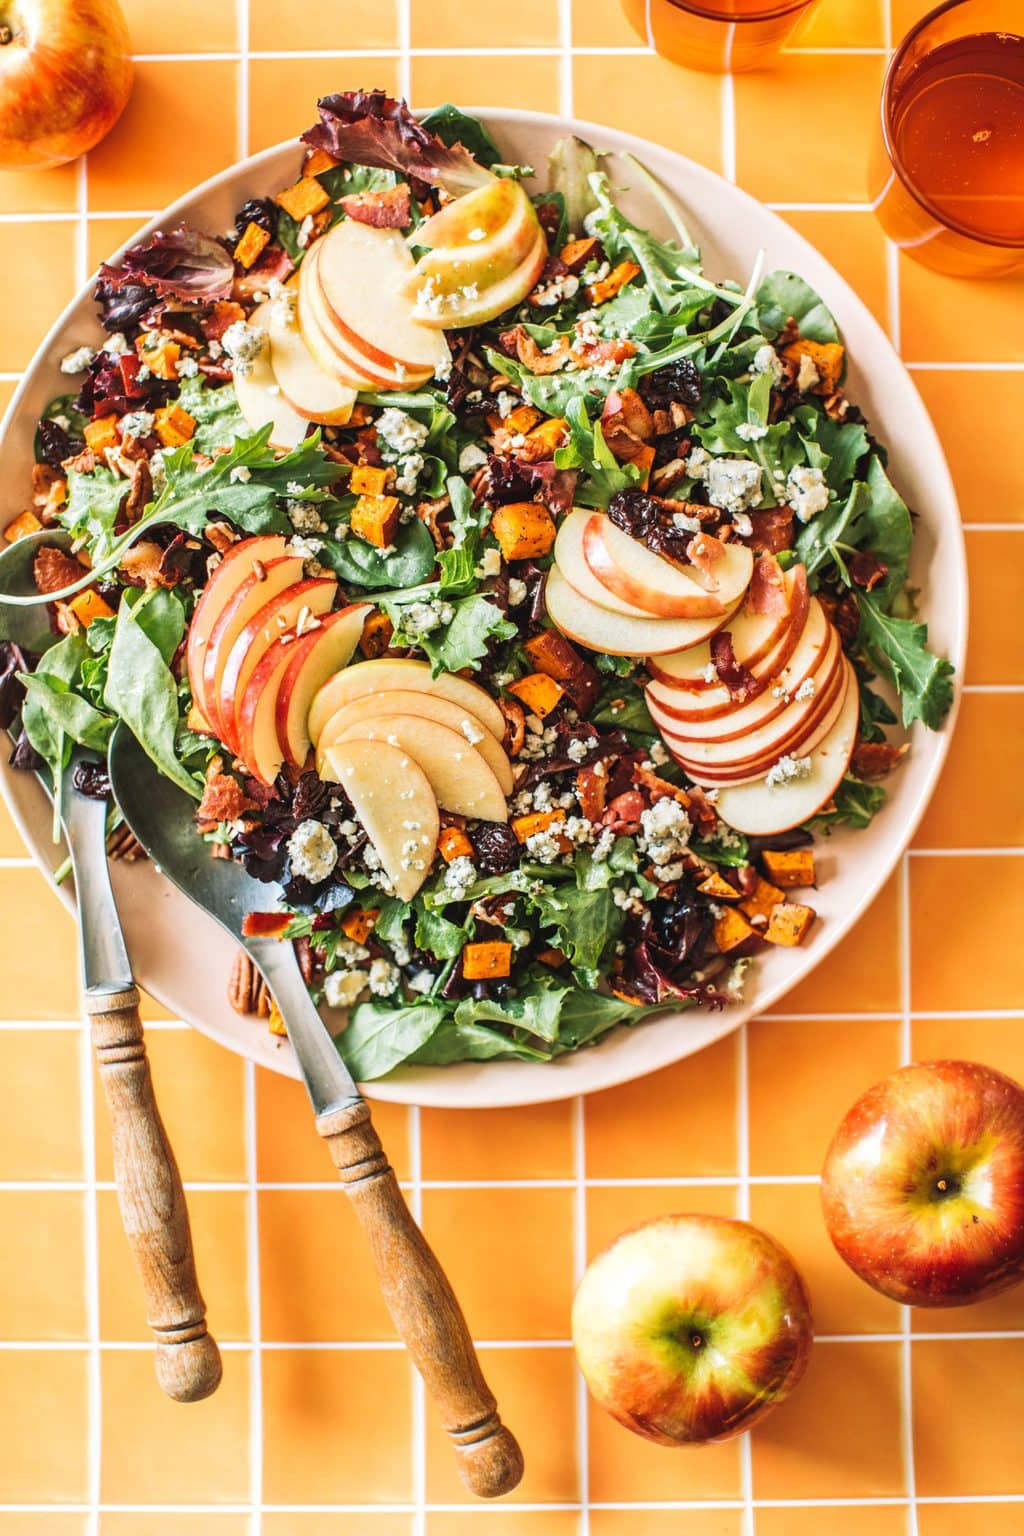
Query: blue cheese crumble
column 313, row 851
column 243, row 344
column 734, row 484
column 399, row 434
column 806, row 492
column 459, row 877
column 788, row 770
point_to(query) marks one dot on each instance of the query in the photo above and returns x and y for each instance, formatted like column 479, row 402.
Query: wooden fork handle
column 188, row 1364
column 423, row 1305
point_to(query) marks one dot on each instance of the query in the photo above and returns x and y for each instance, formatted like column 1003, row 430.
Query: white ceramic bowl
column 182, row 957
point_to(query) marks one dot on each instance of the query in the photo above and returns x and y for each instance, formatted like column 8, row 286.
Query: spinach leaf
column 601, row 473
column 784, row 294
column 464, row 641
column 855, row 804
column 595, row 874
column 467, row 1040
column 50, row 707
column 586, row 1016
column 898, row 647
column 91, row 508
column 140, row 685
column 67, row 712
column 380, row 1035
column 536, row 1011
column 453, row 126
column 409, row 562
column 438, row 936
column 216, row 412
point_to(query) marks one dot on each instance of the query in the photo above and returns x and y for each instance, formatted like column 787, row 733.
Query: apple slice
column 378, row 779
column 387, row 672
column 314, row 394
column 632, row 572
column 321, row 335
column 569, row 559
column 600, row 630
column 811, row 663
column 360, row 271
column 314, row 658
column 756, row 638
column 259, row 748
column 264, row 582
column 475, row 305
column 280, row 615
column 462, row 782
column 478, row 240
column 765, row 811
column 235, row 567
column 374, row 707
column 260, row 399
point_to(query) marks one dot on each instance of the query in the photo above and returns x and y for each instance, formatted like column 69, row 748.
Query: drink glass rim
column 770, row 12
column 1011, row 242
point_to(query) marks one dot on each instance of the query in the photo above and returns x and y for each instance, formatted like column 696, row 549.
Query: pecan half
column 247, row 991
column 123, row 844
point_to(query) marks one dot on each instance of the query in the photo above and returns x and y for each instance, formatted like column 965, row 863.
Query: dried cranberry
column 675, row 381
column 634, row 512
column 258, row 210
column 91, row 780
column 311, row 796
column 495, row 847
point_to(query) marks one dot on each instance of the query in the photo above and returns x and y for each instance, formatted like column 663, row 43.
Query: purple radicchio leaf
column 372, row 128
column 181, row 263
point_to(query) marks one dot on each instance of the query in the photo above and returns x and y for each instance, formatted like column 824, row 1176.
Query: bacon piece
column 876, row 759
column 265, row 925
column 627, row 424
column 773, row 531
column 658, row 788
column 593, row 354
column 767, row 593
column 705, row 552
column 866, row 569
column 225, row 312
column 536, row 358
column 223, row 798
column 388, row 209
column 52, row 569
column 741, row 683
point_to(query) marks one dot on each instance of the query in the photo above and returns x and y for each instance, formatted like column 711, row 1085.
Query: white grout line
column 579, row 1132
column 252, row 1239
column 418, row 1438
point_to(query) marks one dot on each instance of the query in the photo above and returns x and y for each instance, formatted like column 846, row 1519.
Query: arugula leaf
column 536, row 1011
column 747, row 405
column 382, row 1034
column 217, row 415
column 855, row 804
column 883, row 525
column 465, row 639
column 586, row 922
column 391, row 919
column 458, row 564
column 784, row 294
column 436, row 935
column 467, row 1040
column 554, row 393
column 453, row 126
column 596, row 874
column 91, row 508
column 586, row 1016
column 836, row 448
column 819, row 540
column 359, row 564
column 666, row 267
column 140, row 685
column 602, row 474
column 898, row 647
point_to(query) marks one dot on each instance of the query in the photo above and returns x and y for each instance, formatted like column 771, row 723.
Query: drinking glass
column 947, row 165
column 733, row 35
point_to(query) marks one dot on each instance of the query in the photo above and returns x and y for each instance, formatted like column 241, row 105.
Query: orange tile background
column 902, row 1423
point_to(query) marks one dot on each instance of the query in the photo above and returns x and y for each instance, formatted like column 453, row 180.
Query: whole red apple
column 923, row 1185
column 691, row 1328
column 65, row 76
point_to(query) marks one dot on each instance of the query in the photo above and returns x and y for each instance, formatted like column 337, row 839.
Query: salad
column 520, row 600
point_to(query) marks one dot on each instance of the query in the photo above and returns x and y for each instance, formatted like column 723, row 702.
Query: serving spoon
column 416, row 1289
column 149, row 1188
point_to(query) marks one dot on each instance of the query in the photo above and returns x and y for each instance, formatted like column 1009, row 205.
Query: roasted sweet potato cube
column 644, row 461
column 521, row 419
column 553, row 957
column 538, row 693
column 762, row 899
column 87, row 606
column 369, row 480
column 717, row 888
column 173, row 425
column 376, row 635
column 790, row 866
column 608, row 287
column 160, row 354
column 481, row 962
column 375, row 519
column 551, row 433
column 523, row 529
column 552, row 653
column 827, row 357
column 454, row 844
column 196, row 721
column 358, row 926
column 101, row 433
column 731, row 930
column 536, row 821
column 251, row 245
column 789, row 923
column 317, row 161
column 306, row 197
column 592, row 790
column 21, row 527
column 577, row 253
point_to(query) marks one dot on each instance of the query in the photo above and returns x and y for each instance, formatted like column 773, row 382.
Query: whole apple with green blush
column 691, row 1328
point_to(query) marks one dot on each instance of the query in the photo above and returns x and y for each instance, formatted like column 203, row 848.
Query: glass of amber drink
column 718, row 35
column 947, row 165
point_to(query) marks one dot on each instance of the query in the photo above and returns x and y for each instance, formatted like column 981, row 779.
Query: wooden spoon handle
column 423, row 1305
column 188, row 1364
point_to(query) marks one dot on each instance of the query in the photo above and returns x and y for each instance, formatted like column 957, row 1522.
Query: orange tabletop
column 904, row 1424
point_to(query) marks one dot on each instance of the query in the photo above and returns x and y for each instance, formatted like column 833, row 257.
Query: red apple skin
column 923, row 1185
column 691, row 1328
column 65, row 78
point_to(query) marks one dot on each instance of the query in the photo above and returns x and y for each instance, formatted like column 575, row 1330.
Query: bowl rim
column 597, row 1067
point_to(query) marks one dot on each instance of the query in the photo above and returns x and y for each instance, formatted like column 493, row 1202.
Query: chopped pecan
column 141, row 489
column 49, row 492
column 53, row 569
column 83, row 463
column 123, row 844
column 876, row 759
column 221, row 536
column 247, row 991
column 669, row 475
column 429, row 512
column 515, row 725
